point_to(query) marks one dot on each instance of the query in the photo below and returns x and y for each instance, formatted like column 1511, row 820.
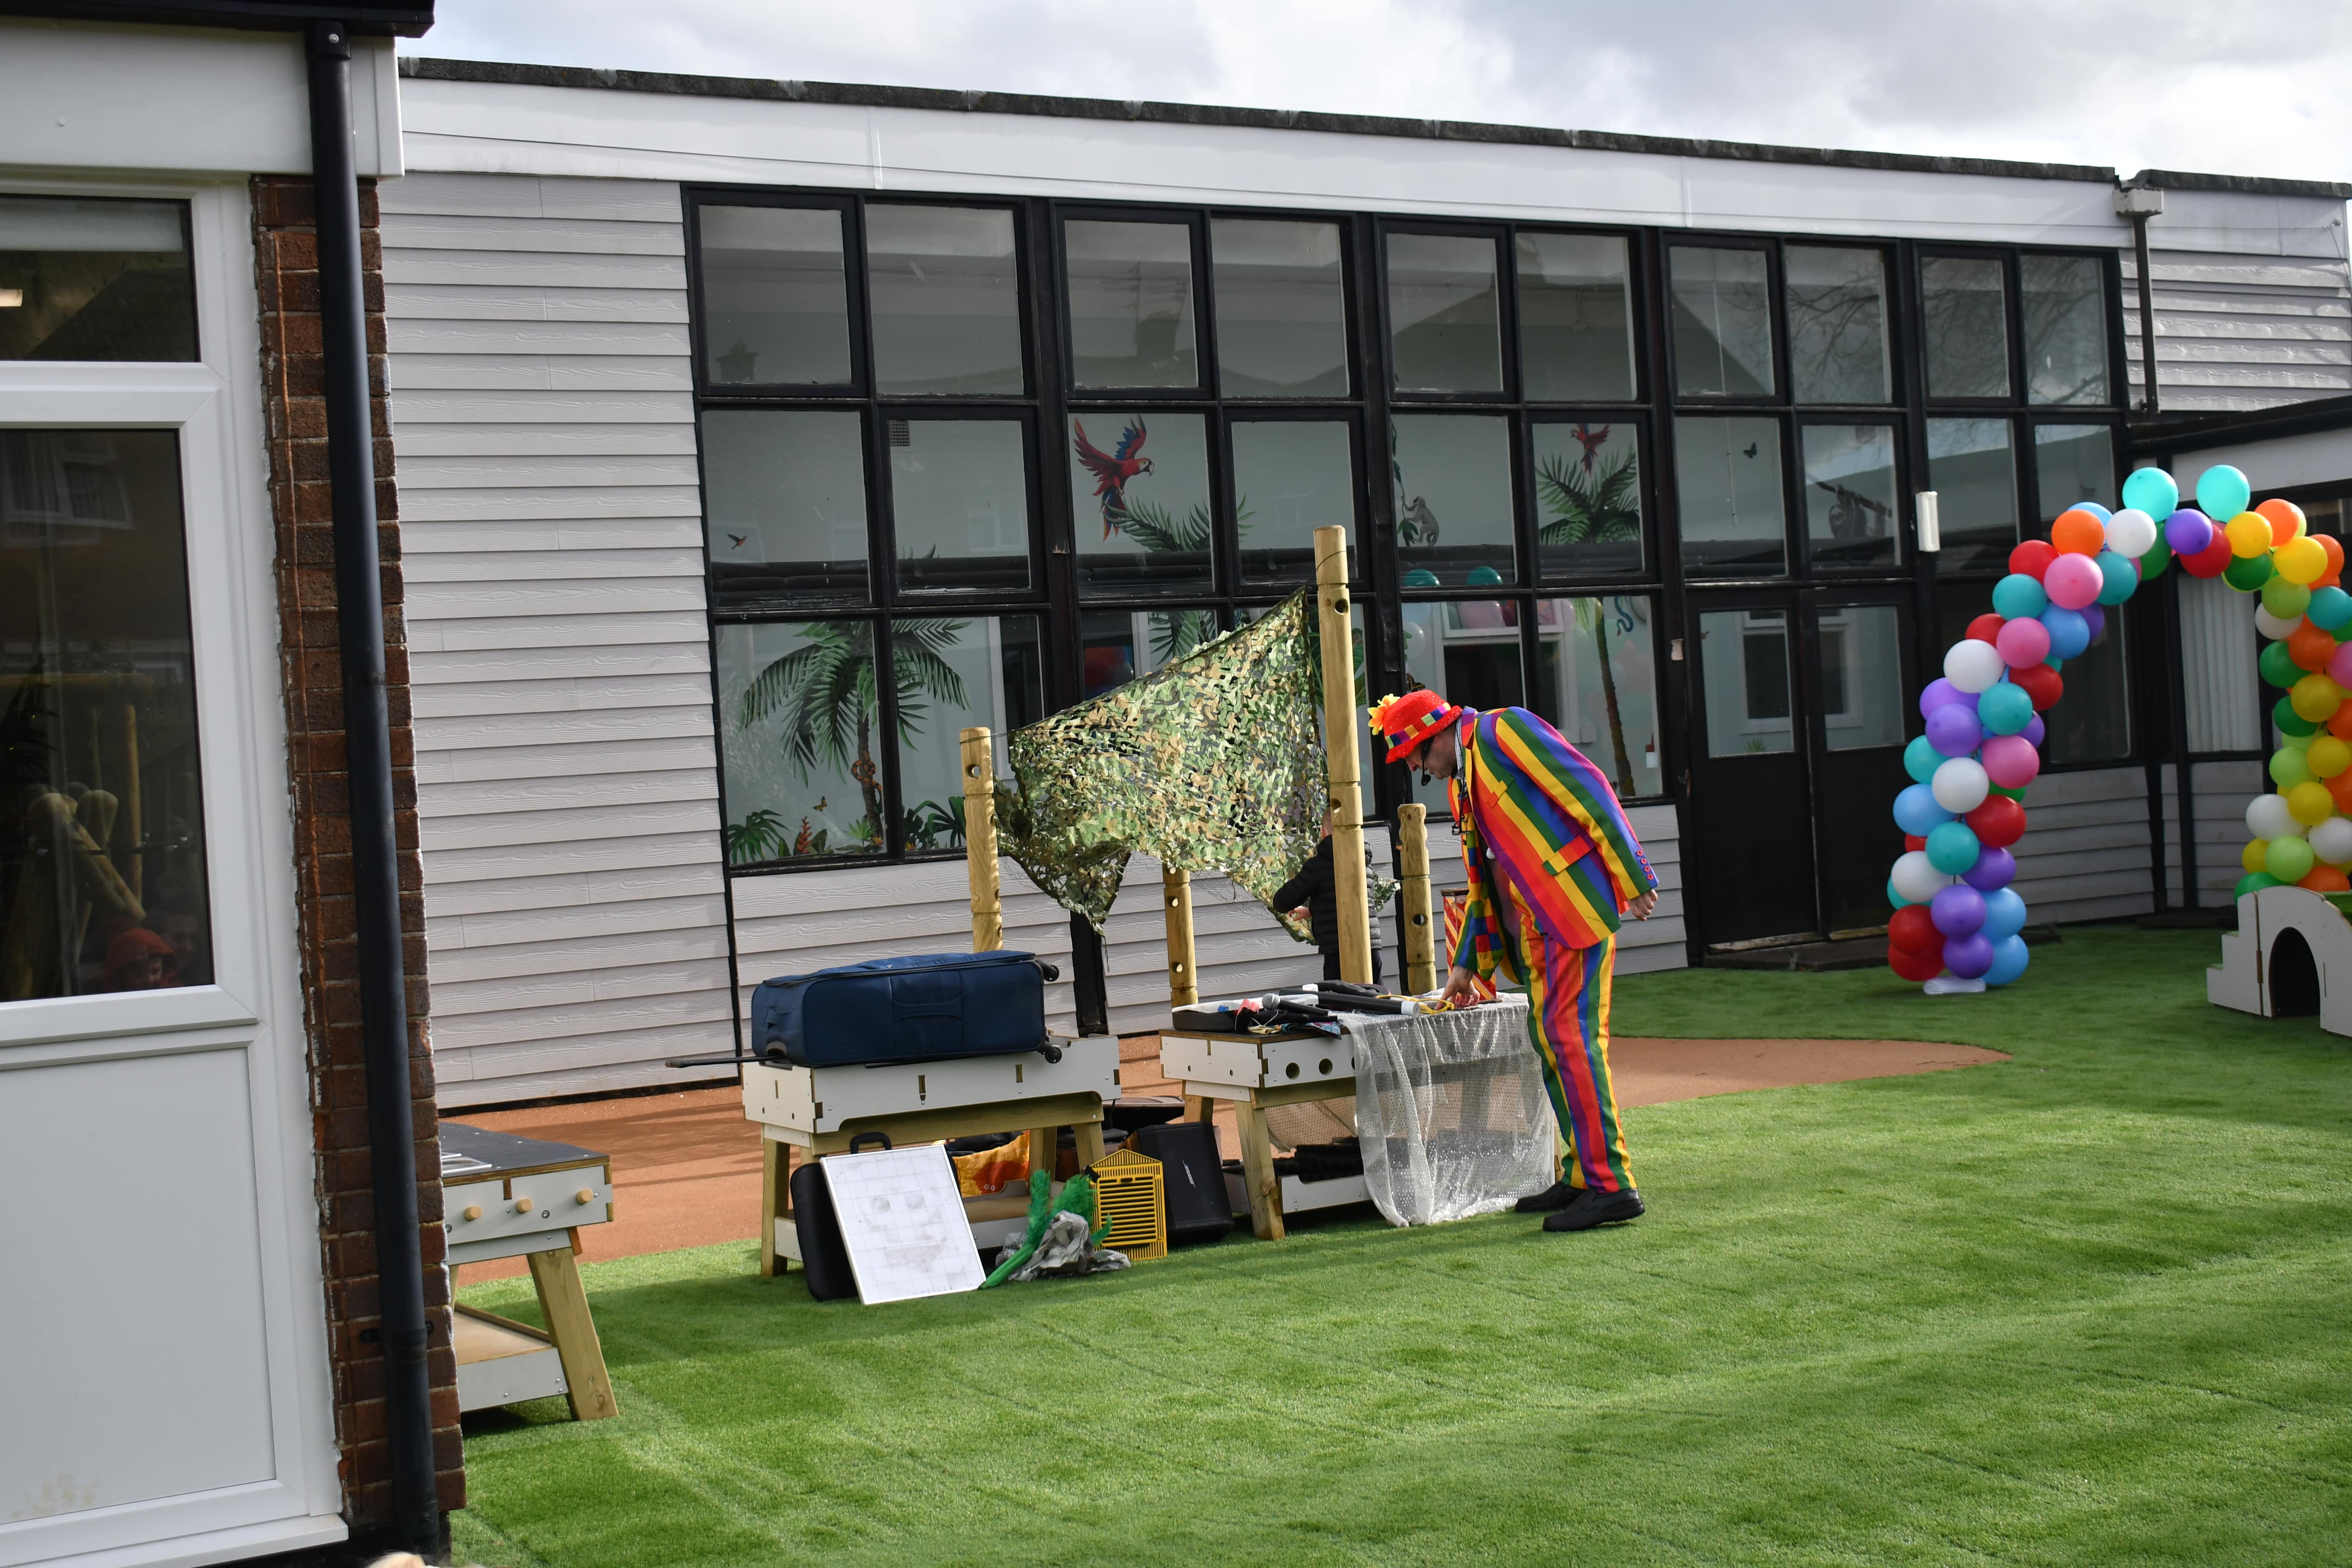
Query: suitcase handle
column 857, row 1141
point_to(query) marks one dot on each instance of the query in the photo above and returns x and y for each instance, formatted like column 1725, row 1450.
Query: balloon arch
column 1956, row 914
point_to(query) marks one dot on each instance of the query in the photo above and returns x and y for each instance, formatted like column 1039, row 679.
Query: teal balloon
column 1920, row 758
column 2289, row 722
column 2152, row 490
column 2004, row 709
column 1952, row 849
column 2017, row 597
column 2122, row 577
column 1420, row 577
column 1483, row 577
column 2330, row 609
column 2222, row 493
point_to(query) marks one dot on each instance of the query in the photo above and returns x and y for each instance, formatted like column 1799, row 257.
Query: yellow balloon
column 2255, row 856
column 2250, row 534
column 2310, row 804
column 2327, row 756
column 2315, row 696
column 2300, row 560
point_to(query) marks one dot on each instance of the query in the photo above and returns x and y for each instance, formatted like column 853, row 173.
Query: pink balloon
column 2010, row 761
column 2025, row 641
column 2339, row 669
column 2072, row 582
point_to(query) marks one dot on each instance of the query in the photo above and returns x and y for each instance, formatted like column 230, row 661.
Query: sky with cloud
column 2254, row 88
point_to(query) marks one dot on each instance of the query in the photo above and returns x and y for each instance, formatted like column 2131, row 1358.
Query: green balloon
column 2285, row 600
column 2288, row 859
column 2278, row 665
column 2289, row 722
column 2248, row 573
column 2013, row 794
column 2254, row 882
column 2289, row 767
column 2152, row 565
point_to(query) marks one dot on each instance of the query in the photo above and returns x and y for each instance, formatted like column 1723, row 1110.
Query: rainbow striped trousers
column 1568, row 1022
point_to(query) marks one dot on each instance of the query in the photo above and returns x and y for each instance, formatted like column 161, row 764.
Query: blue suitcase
column 932, row 1008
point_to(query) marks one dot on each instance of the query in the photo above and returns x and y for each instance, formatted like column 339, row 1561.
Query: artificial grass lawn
column 2087, row 1306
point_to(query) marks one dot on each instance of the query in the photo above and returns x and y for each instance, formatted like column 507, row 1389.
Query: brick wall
column 286, row 262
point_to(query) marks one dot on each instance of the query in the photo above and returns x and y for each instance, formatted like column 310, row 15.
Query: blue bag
column 932, row 1007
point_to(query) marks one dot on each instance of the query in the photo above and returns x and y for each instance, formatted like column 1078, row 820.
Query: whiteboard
column 903, row 1221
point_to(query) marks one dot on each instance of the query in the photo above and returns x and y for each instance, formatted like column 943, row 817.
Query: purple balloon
column 1994, row 869
column 2033, row 731
column 2189, row 531
column 1957, row 910
column 1939, row 693
column 1954, row 729
column 2097, row 618
column 1970, row 957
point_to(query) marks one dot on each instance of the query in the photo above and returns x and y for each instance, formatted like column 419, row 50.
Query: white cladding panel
column 1658, row 942
column 2247, row 329
column 567, row 782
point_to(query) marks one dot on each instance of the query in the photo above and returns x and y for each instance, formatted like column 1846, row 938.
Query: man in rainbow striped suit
column 1554, row 868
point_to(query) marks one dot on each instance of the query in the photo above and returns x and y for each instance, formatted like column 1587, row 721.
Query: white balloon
column 1974, row 665
column 2331, row 841
column 1961, row 784
column 2131, row 532
column 2273, row 626
column 2267, row 816
column 1916, row 878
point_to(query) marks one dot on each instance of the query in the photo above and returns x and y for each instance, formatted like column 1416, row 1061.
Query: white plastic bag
column 1451, row 1112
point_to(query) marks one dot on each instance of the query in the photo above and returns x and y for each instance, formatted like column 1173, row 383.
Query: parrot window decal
column 1113, row 469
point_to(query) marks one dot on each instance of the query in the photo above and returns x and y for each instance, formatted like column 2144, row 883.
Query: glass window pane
column 1576, row 331
column 959, row 502
column 2062, row 300
column 1973, row 472
column 1851, row 510
column 1744, row 668
column 1445, row 325
column 1964, row 308
column 800, row 741
column 90, row 278
column 1600, row 662
column 775, row 299
column 786, row 499
column 2074, row 463
column 1837, row 324
column 945, row 290
column 1453, row 500
column 1860, row 648
column 1587, row 496
column 103, row 883
column 1468, row 652
column 1140, row 481
column 2094, row 723
column 1723, row 323
column 1116, row 646
column 1729, row 474
column 1131, row 303
column 1291, row 477
column 954, row 672
column 1282, row 327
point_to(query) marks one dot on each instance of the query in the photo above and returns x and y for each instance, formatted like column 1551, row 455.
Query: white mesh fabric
column 1451, row 1112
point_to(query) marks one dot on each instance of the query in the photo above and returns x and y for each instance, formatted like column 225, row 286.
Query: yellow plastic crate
column 1131, row 1204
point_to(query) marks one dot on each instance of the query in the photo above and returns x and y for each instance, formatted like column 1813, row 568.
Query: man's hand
column 1640, row 908
column 1458, row 985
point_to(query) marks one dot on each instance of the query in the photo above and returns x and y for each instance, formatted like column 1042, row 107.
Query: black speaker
column 1192, row 1182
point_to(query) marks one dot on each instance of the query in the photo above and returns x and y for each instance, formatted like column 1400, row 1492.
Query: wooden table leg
column 1090, row 1142
column 776, row 1200
column 1043, row 1143
column 1257, row 1170
column 1199, row 1108
column 565, row 1307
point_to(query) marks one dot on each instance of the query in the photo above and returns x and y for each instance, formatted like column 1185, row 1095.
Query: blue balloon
column 2329, row 609
column 2004, row 913
column 2070, row 634
column 1920, row 758
column 1952, row 847
column 2222, row 493
column 2094, row 508
column 2009, row 957
column 2017, row 597
column 2005, row 708
column 2150, row 491
column 1917, row 814
column 2122, row 573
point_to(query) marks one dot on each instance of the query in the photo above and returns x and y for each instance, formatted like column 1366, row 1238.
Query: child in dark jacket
column 1312, row 892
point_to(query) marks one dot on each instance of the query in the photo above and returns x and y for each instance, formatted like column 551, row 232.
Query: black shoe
column 1557, row 1196
column 1592, row 1206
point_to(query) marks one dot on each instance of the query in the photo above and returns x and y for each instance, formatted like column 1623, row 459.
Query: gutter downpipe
column 367, row 739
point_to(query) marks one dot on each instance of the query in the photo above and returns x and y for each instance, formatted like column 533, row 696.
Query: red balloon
column 1912, row 841
column 2032, row 558
column 1999, row 823
column 2211, row 561
column 1986, row 627
column 1913, row 929
column 2042, row 683
column 1915, row 967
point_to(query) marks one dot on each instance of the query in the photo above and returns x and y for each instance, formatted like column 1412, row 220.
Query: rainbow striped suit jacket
column 1534, row 813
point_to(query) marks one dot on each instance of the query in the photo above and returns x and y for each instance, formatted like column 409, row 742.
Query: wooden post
column 979, row 839
column 1413, row 899
column 1176, row 901
column 1348, row 884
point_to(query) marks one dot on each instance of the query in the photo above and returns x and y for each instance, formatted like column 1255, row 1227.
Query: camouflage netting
column 1213, row 762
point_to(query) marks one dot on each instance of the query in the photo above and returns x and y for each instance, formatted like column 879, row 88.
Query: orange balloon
column 2310, row 647
column 2078, row 532
column 2340, row 787
column 2339, row 723
column 2328, row 542
column 2326, row 880
column 2285, row 520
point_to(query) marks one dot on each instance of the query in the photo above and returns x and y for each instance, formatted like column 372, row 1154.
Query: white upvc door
column 165, row 1394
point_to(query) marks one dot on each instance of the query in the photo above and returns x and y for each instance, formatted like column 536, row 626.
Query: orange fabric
column 991, row 1170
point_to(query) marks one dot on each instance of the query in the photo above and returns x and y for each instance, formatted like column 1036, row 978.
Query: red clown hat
column 1406, row 721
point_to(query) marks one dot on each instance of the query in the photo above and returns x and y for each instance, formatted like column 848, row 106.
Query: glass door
column 1751, row 800
column 1856, row 660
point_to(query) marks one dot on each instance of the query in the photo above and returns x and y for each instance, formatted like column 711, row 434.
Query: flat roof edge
column 2250, row 184
column 976, row 103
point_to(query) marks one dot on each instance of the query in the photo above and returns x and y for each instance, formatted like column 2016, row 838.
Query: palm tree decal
column 1157, row 529
column 1594, row 502
column 827, row 692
